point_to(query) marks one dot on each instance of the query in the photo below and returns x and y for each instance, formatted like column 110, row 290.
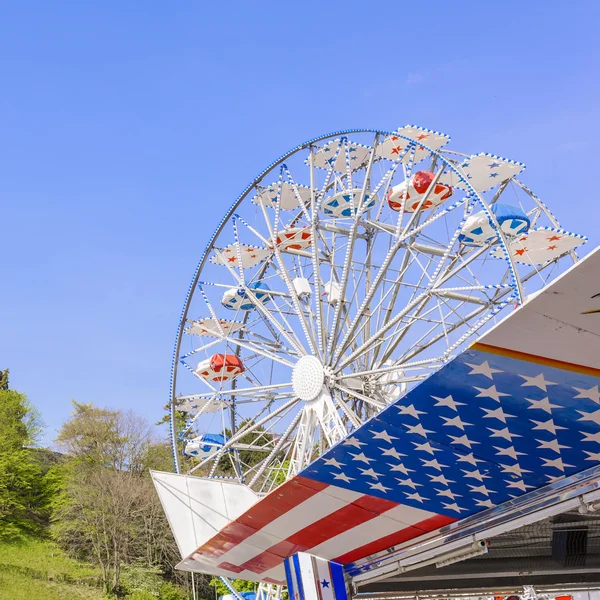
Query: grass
column 36, row 569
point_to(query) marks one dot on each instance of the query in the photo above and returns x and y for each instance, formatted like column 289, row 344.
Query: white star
column 383, row 435
column 417, row 429
column 469, row 458
column 463, row 440
column 504, row 433
column 551, row 445
column 591, row 437
column 353, row 442
column 455, row 507
column 447, row 493
column 481, row 489
column 510, row 451
column 411, row 410
column 483, row 369
column 401, row 468
column 593, row 416
column 425, row 447
column 433, row 463
column 543, row 404
column 416, row 496
column 370, row 473
column 379, row 486
column 537, row 381
column 392, row 452
column 497, row 413
column 548, row 425
column 475, row 475
column 455, row 422
column 592, row 394
column 344, row 477
column 490, row 392
column 440, row 479
column 514, row 470
column 409, row 482
column 557, row 463
column 448, row 401
column 486, row 503
column 595, row 456
column 332, row 462
column 361, row 457
column 521, row 485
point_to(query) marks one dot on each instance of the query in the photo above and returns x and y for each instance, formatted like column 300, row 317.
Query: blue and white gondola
column 345, row 203
column 237, row 299
column 478, row 229
column 204, row 445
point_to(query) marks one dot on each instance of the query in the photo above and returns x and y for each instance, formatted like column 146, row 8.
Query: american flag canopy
column 492, row 425
column 483, row 430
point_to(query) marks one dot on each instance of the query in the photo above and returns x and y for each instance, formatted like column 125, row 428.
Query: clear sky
column 127, row 129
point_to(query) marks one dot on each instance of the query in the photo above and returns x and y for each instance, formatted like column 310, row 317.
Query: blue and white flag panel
column 312, row 578
column 484, row 429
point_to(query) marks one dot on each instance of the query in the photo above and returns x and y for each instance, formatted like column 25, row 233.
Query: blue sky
column 128, row 128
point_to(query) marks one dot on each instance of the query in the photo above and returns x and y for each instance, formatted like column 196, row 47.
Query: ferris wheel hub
column 308, row 377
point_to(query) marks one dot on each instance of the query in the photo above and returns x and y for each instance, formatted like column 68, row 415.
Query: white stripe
column 337, row 492
column 314, row 508
column 370, row 531
column 307, row 575
column 277, row 573
column 323, row 575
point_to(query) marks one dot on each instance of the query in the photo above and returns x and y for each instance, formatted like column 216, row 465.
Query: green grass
column 39, row 570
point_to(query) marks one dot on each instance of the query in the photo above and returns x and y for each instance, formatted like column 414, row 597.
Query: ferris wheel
column 347, row 272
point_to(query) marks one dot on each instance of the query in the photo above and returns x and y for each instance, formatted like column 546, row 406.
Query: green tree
column 23, row 496
column 101, row 437
column 240, row 585
column 105, row 508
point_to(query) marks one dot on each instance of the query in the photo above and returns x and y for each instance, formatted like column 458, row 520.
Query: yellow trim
column 540, row 360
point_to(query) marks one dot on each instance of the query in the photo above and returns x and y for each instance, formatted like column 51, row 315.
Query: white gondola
column 238, row 299
column 332, row 292
column 345, row 203
column 302, row 287
column 412, row 191
column 478, row 229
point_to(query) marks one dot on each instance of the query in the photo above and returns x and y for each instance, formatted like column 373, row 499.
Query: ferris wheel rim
column 470, row 192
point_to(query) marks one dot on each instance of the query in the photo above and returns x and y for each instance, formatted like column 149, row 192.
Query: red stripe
column 277, row 503
column 226, row 566
column 430, row 524
column 360, row 511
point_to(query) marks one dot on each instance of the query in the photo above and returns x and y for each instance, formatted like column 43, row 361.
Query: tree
column 239, row 585
column 106, row 509
column 107, row 438
column 4, row 379
column 22, row 492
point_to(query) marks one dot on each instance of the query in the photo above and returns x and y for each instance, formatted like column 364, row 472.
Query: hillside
column 39, row 569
